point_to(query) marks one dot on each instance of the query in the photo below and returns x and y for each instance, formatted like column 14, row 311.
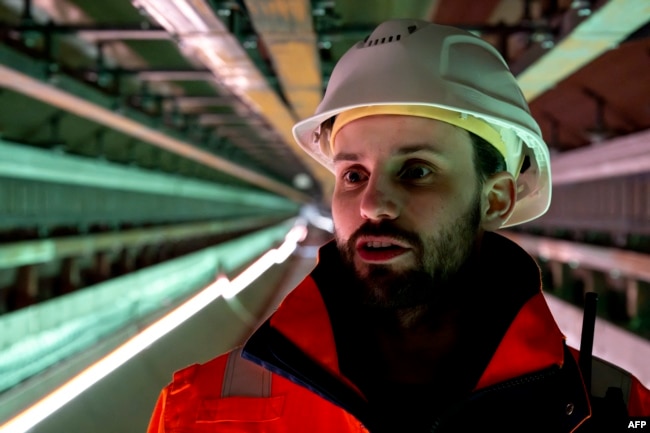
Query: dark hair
column 487, row 159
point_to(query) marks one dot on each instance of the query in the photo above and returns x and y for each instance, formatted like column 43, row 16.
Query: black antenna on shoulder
column 587, row 337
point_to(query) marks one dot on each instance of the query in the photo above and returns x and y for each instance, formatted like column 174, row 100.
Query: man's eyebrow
column 417, row 148
column 345, row 157
column 405, row 150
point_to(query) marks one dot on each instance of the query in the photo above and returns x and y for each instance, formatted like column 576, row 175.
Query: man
column 417, row 318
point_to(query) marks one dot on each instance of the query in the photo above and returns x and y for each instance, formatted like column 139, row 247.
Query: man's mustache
column 385, row 228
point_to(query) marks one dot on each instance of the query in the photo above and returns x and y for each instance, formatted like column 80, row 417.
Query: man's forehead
column 398, row 136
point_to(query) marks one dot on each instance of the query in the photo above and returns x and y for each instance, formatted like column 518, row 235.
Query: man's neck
column 416, row 346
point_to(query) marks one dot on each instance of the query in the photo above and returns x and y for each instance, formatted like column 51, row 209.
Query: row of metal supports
column 35, row 283
column 623, row 300
column 82, row 261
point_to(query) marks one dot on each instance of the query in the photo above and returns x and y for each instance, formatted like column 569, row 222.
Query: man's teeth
column 378, row 244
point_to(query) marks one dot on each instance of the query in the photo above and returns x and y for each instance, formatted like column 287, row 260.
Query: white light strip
column 274, row 256
column 102, row 368
column 123, row 35
column 192, row 16
column 160, row 18
column 175, row 76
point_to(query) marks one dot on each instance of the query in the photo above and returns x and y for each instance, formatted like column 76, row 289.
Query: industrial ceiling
column 210, row 89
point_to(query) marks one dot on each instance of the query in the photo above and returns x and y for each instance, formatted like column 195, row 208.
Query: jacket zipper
column 508, row 384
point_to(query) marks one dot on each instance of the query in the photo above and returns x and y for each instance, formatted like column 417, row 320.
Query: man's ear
column 498, row 200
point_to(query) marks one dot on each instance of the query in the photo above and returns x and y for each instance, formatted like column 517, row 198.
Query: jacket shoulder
column 196, row 393
column 232, row 394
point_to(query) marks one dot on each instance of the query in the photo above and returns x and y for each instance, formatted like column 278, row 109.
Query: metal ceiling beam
column 96, row 32
column 203, row 101
column 602, row 30
column 173, row 75
column 625, row 263
column 621, row 156
column 215, row 119
column 33, row 88
column 155, row 74
column 286, row 29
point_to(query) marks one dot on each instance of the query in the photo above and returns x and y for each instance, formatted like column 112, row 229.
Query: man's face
column 406, row 205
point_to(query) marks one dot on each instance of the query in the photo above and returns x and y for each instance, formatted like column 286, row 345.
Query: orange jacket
column 531, row 376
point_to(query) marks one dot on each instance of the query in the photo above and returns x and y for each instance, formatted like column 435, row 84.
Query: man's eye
column 353, row 176
column 415, row 172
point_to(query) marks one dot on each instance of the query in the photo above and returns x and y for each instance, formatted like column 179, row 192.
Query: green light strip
column 36, row 164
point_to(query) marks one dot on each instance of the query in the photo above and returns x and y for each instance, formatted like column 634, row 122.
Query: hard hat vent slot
column 391, row 32
column 383, row 40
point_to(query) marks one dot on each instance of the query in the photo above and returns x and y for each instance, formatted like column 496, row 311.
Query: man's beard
column 439, row 258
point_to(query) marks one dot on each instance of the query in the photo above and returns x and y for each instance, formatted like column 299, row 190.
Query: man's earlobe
column 499, row 197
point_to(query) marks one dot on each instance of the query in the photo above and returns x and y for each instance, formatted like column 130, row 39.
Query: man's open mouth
column 379, row 251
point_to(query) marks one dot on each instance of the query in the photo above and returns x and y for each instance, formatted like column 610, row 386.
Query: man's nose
column 379, row 200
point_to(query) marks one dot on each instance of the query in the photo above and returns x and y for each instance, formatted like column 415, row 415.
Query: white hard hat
column 407, row 62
